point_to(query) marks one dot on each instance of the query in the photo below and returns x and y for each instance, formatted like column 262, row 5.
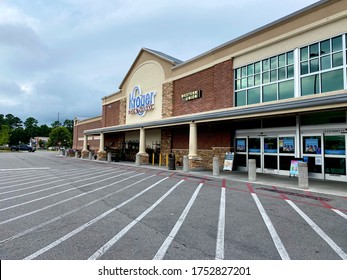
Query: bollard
column 109, row 157
column 90, row 156
column 252, row 170
column 76, row 154
column 138, row 160
column 215, row 166
column 302, row 175
column 185, row 164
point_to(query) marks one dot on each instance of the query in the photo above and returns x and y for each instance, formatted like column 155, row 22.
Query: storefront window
column 254, row 79
column 335, row 145
column 241, row 145
column 254, row 145
column 240, row 98
column 336, row 166
column 287, row 145
column 312, row 145
column 315, row 60
column 270, row 145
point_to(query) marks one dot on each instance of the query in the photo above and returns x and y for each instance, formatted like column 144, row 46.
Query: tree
column 60, row 136
column 13, row 122
column 19, row 135
column 44, row 131
column 5, row 135
column 31, row 127
column 55, row 124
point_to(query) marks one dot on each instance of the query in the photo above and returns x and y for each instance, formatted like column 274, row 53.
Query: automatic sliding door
column 335, row 157
column 270, row 149
column 254, row 151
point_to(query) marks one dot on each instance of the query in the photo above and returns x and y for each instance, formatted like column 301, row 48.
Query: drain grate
column 296, row 194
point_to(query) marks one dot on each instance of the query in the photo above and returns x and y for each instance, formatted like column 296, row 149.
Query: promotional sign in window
column 286, row 145
column 312, row 146
column 241, row 145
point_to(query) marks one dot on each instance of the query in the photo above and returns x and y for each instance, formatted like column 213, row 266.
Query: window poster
column 287, row 144
column 241, row 145
column 312, row 146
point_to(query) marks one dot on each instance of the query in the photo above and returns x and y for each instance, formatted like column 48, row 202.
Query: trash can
column 172, row 162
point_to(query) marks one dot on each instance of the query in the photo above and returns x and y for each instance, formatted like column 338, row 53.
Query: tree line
column 14, row 131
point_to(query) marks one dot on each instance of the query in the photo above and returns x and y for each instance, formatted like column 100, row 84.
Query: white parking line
column 24, row 168
column 162, row 250
column 221, row 227
column 276, row 239
column 64, row 191
column 340, row 213
column 91, row 222
column 78, row 208
column 62, row 201
column 319, row 231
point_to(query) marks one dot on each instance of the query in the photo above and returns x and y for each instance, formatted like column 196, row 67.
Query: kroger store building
column 274, row 94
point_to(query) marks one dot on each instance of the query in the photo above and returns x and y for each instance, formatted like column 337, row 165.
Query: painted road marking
column 91, row 222
column 78, row 208
column 164, row 247
column 113, row 240
column 25, row 168
column 319, row 231
column 63, row 201
column 221, row 226
column 64, row 191
column 277, row 241
column 340, row 213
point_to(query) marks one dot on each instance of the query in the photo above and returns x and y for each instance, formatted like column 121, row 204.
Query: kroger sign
column 140, row 103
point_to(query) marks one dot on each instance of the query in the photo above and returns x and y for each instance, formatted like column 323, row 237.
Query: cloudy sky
column 63, row 56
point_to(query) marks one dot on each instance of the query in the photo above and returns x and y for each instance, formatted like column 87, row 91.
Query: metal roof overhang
column 296, row 106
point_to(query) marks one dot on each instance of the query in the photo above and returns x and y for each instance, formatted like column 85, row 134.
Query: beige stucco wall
column 149, row 76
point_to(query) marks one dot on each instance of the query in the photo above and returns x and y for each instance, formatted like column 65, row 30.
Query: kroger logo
column 140, row 103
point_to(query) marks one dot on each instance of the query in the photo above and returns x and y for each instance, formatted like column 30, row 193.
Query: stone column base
column 85, row 154
column 144, row 158
column 102, row 155
column 196, row 163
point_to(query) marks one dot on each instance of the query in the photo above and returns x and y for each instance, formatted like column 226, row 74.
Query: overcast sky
column 63, row 56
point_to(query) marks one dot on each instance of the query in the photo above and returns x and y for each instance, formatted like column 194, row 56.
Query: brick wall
column 216, row 84
column 167, row 106
column 78, row 133
column 110, row 114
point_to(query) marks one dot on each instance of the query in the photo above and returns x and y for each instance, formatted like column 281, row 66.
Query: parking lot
column 65, row 208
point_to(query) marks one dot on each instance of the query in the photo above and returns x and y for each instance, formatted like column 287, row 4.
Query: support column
column 142, row 156
column 102, row 153
column 193, row 140
column 142, row 147
column 195, row 162
column 85, row 152
column 297, row 138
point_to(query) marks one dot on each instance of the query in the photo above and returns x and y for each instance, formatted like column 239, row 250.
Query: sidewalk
column 315, row 185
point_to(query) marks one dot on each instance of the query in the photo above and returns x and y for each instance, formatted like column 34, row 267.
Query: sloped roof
column 163, row 56
column 170, row 58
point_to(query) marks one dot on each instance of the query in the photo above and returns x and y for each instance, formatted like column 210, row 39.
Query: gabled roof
column 169, row 58
column 163, row 56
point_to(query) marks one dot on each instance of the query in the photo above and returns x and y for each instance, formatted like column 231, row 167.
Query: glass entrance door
column 255, row 152
column 270, row 154
column 312, row 152
column 335, row 157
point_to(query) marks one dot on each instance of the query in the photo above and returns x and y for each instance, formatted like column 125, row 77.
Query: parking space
column 66, row 208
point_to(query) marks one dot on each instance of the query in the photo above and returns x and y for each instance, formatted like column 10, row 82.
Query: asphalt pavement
column 54, row 207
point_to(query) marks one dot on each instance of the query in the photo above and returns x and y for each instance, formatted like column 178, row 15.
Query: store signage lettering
column 140, row 103
column 191, row 95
